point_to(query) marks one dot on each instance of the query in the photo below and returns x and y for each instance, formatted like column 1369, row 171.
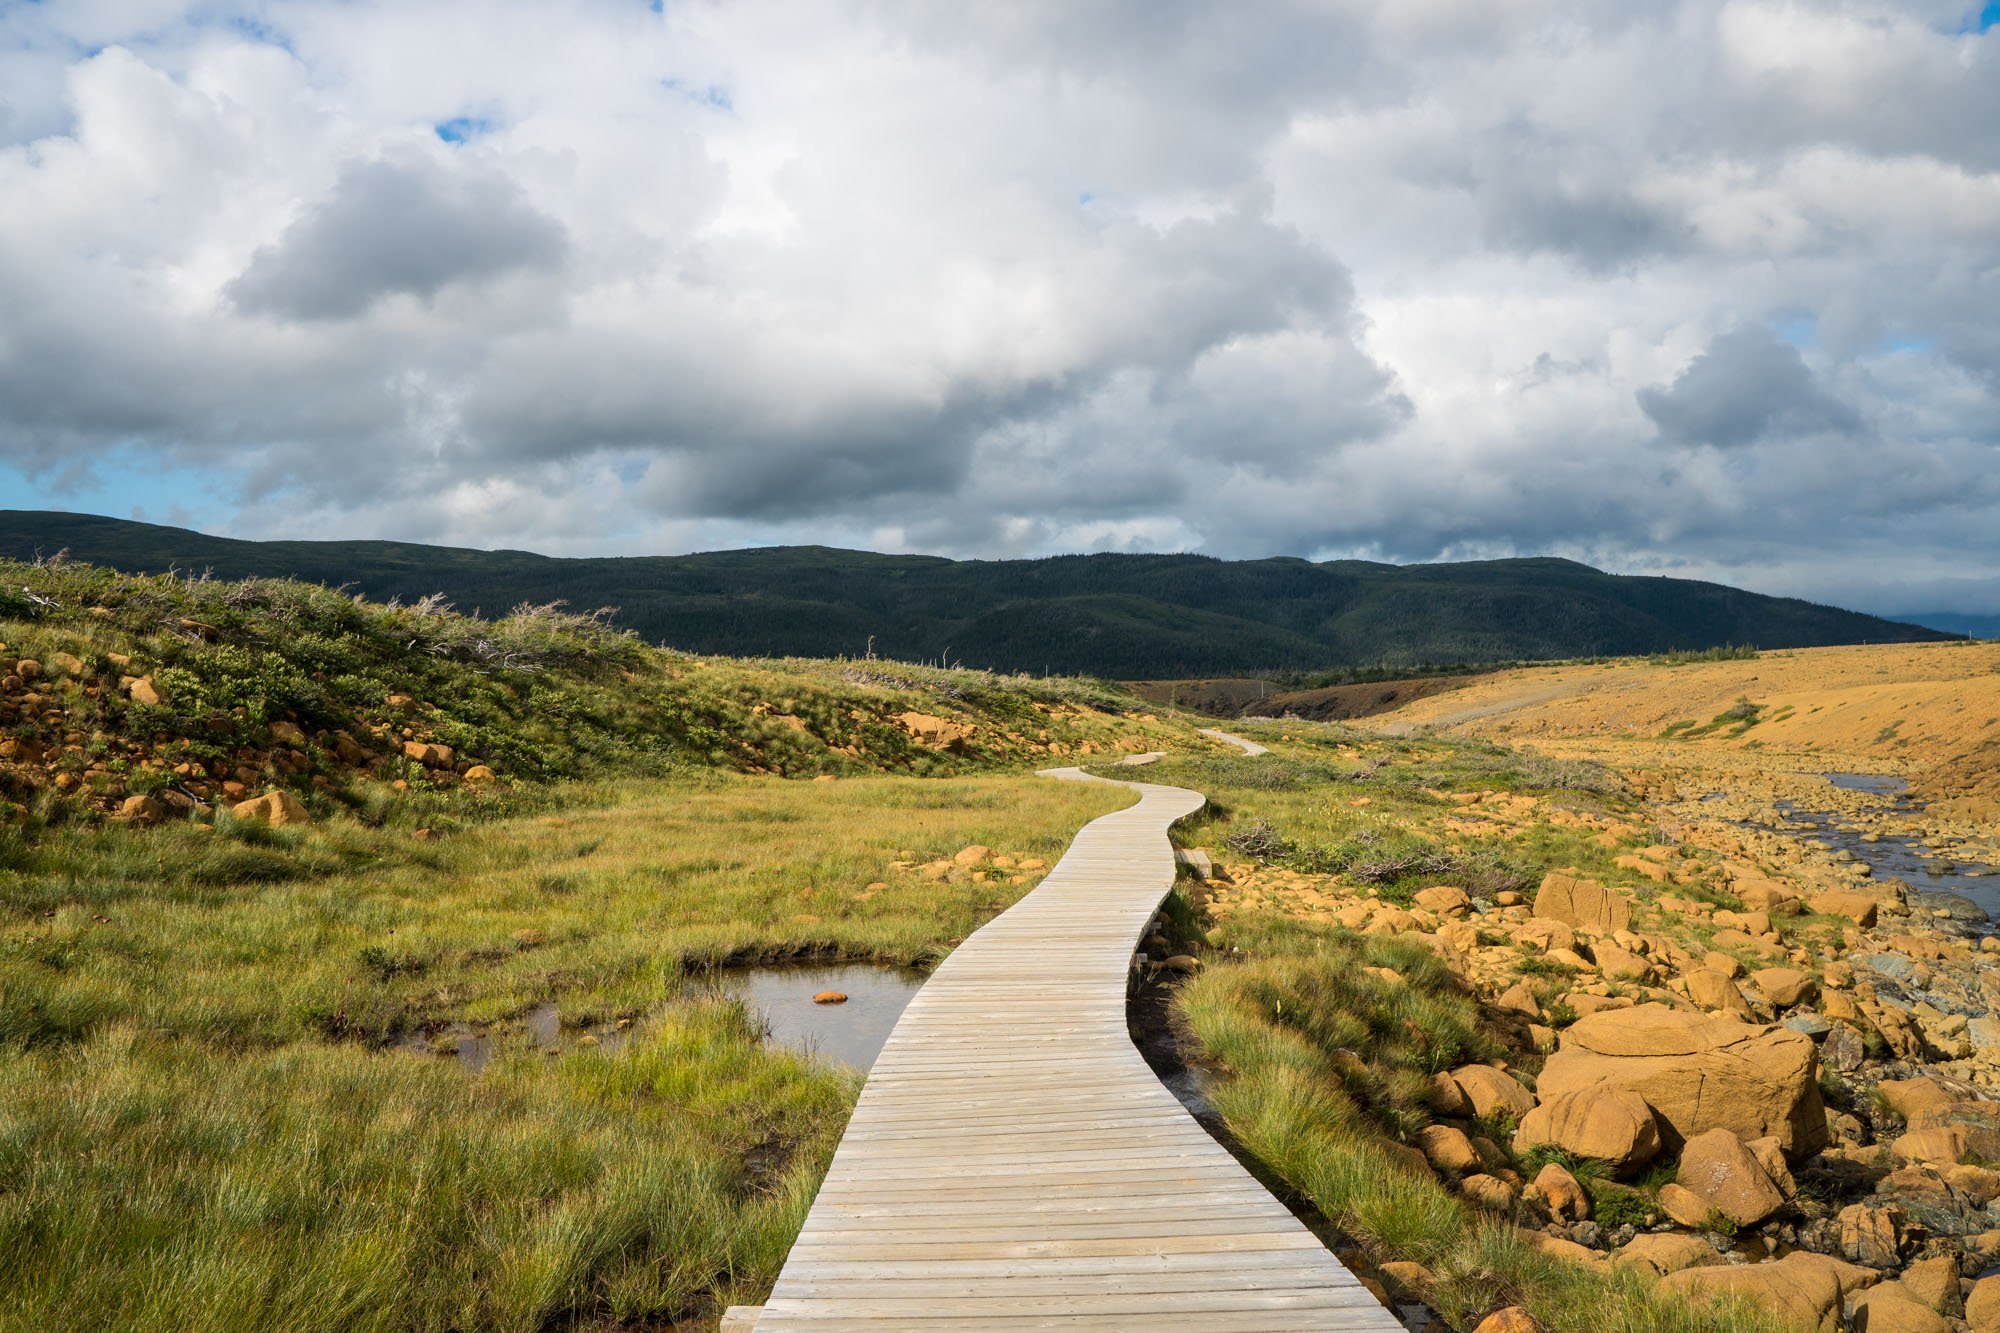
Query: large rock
column 1934, row 1282
column 1982, row 1307
column 1870, row 1236
column 1794, row 1288
column 1445, row 900
column 1609, row 1124
column 1492, row 1091
column 1717, row 1166
column 1715, row 992
column 1447, row 1149
column 1784, row 986
column 1890, row 1309
column 1619, row 964
column 1576, row 901
column 1665, row 1252
column 1490, row 1192
column 1975, row 1124
column 276, row 808
column 1856, row 907
column 1560, row 1193
column 1698, row 1073
column 1684, row 1207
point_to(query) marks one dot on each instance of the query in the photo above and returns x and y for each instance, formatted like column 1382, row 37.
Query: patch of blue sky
column 258, row 30
column 463, row 129
column 711, row 95
column 1915, row 344
column 1981, row 19
column 175, row 496
column 1800, row 329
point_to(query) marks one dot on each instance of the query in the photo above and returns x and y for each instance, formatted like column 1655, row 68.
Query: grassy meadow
column 215, row 1097
column 230, row 1097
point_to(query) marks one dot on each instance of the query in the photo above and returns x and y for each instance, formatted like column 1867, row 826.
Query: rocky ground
column 1818, row 1059
column 1775, row 1071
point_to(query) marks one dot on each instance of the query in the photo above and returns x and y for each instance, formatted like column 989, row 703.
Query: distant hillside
column 1955, row 622
column 1127, row 616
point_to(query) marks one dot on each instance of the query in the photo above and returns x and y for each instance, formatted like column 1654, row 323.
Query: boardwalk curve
column 1248, row 747
column 1013, row 1163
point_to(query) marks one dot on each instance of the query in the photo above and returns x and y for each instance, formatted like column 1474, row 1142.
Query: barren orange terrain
column 1928, row 712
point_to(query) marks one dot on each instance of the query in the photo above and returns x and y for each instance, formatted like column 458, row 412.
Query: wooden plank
column 1012, row 1163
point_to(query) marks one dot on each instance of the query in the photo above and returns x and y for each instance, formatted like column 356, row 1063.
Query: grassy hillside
column 155, row 695
column 1129, row 616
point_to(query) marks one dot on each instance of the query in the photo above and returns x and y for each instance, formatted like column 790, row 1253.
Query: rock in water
column 1698, row 1073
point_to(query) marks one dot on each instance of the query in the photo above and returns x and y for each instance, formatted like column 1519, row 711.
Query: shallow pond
column 473, row 1046
column 850, row 1033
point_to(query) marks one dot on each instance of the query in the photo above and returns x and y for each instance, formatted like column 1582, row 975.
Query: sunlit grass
column 204, row 1121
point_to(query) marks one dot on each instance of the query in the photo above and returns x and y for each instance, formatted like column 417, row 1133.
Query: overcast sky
column 1702, row 288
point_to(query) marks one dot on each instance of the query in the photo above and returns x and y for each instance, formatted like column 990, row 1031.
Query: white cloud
column 1703, row 285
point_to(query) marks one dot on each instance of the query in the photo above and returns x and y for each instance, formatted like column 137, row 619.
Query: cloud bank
column 1704, row 288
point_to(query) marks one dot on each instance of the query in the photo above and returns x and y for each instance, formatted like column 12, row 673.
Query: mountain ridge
column 1110, row 614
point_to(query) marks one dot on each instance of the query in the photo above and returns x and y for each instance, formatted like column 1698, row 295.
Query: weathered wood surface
column 1248, row 747
column 1013, row 1163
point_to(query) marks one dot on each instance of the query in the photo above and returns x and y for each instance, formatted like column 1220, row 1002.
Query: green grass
column 540, row 694
column 206, row 1104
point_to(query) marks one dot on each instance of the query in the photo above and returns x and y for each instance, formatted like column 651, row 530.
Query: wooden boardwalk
column 1013, row 1163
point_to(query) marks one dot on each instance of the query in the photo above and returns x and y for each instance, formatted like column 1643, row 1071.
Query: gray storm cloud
column 1398, row 279
column 1749, row 385
column 391, row 228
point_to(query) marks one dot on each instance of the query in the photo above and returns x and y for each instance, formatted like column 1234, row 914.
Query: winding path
column 1013, row 1163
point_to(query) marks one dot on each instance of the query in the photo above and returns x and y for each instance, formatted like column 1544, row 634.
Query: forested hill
column 1126, row 616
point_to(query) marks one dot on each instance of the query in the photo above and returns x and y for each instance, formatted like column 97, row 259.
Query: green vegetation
column 1329, row 1064
column 1297, row 810
column 268, row 682
column 1730, row 724
column 1123, row 616
column 218, row 1090
column 1728, row 652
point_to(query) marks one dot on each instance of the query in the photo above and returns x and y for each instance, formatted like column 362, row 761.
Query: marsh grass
column 1375, row 811
column 204, row 1106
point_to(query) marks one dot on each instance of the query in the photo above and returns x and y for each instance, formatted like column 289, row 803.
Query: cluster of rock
column 142, row 778
column 1682, row 1032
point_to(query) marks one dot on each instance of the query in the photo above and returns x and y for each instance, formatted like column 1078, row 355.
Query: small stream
column 1970, row 893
